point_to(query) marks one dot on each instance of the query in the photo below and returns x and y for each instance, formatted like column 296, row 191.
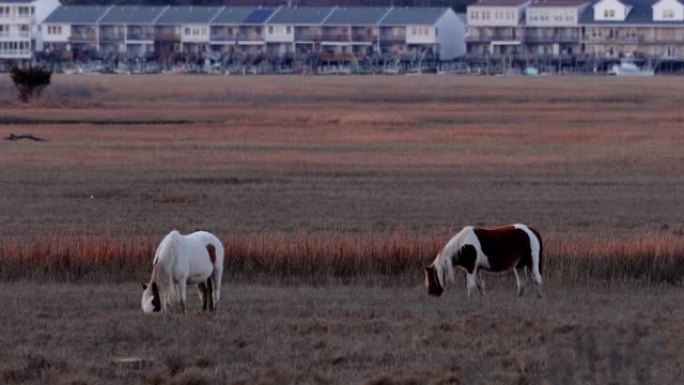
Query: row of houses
column 492, row 32
column 337, row 34
column 576, row 30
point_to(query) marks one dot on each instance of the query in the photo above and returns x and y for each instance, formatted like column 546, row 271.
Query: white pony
column 515, row 247
column 180, row 260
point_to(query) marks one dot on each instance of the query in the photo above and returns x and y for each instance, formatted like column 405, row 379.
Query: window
column 187, row 31
column 270, row 30
column 288, row 29
column 668, row 13
column 609, row 13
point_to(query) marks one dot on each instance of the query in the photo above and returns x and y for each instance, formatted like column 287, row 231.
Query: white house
column 552, row 27
column 611, row 10
column 668, row 10
column 73, row 28
column 497, row 13
column 295, row 29
column 19, row 26
column 193, row 25
column 555, row 13
column 496, row 27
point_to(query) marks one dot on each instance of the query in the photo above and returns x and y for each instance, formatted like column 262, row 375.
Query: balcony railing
column 307, row 36
column 492, row 37
column 166, row 35
column 392, row 38
column 111, row 37
column 15, row 53
column 86, row 36
column 552, row 38
column 16, row 35
column 140, row 36
column 364, row 37
column 15, row 17
column 333, row 36
column 616, row 39
column 224, row 36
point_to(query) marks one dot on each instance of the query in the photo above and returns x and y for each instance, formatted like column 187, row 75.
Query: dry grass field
column 73, row 334
column 345, row 154
column 330, row 193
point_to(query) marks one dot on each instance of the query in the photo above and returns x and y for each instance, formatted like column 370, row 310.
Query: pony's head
column 434, row 280
column 151, row 301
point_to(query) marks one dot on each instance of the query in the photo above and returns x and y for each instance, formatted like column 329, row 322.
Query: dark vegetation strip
column 13, row 120
column 318, row 260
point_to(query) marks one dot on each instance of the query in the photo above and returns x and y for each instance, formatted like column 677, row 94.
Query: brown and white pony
column 195, row 259
column 515, row 247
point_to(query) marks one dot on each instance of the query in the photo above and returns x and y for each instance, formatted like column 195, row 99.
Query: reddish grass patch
column 651, row 259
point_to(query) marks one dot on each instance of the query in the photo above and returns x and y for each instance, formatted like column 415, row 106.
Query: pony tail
column 541, row 248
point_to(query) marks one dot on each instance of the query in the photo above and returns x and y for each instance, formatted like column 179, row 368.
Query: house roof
column 123, row 14
column 242, row 15
column 499, row 3
column 357, row 15
column 300, row 15
column 188, row 14
column 77, row 14
column 557, row 3
column 413, row 15
column 640, row 13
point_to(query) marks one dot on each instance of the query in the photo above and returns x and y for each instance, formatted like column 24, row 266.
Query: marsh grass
column 343, row 334
column 647, row 259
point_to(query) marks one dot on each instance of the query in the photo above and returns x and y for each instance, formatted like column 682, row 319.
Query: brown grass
column 345, row 335
column 252, row 155
column 329, row 194
column 646, row 260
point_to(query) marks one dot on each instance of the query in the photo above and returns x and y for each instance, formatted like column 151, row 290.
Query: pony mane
column 444, row 261
column 164, row 258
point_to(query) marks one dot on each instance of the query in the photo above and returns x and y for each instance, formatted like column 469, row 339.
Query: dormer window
column 668, row 13
column 609, row 13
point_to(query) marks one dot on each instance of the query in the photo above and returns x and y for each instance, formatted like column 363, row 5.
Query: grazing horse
column 515, row 247
column 180, row 260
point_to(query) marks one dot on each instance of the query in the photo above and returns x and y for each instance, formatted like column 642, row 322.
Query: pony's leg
column 210, row 294
column 204, row 294
column 182, row 288
column 480, row 284
column 536, row 276
column 521, row 279
column 471, row 280
column 217, row 286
